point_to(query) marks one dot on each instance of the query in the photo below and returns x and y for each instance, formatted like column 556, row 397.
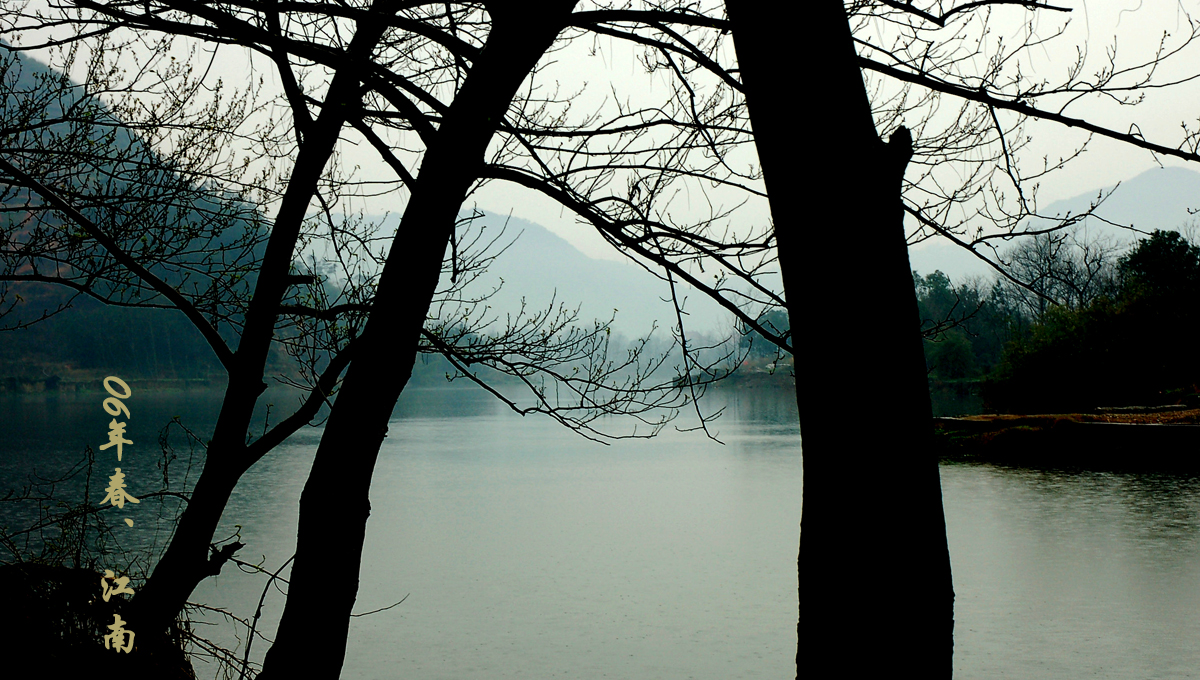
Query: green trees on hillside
column 163, row 242
column 93, row 338
column 1165, row 267
column 965, row 327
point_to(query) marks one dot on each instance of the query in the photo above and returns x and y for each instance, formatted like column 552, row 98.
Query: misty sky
column 595, row 68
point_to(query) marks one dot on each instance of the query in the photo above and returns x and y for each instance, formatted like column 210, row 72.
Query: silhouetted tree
column 846, row 583
column 383, row 320
column 972, row 156
column 1165, row 265
column 873, row 557
column 1128, row 348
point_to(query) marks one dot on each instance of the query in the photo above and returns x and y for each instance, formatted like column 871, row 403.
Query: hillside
column 194, row 236
column 89, row 339
column 539, row 266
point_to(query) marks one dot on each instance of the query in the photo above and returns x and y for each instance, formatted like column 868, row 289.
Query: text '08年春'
column 120, row 639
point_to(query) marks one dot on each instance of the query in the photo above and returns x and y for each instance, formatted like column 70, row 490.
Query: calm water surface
column 527, row 552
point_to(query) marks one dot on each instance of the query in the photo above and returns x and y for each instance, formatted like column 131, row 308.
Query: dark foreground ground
column 56, row 622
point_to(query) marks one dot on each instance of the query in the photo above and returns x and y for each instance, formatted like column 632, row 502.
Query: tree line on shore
column 1086, row 326
column 1081, row 326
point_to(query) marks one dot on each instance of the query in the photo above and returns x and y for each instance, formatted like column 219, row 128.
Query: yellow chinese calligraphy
column 116, row 491
column 116, row 639
column 116, row 437
column 122, row 585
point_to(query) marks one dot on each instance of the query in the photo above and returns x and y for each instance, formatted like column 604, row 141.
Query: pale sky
column 1135, row 25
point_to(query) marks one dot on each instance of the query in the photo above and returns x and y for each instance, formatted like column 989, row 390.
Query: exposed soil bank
column 1157, row 438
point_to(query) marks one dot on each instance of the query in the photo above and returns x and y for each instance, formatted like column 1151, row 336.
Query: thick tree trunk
column 334, row 507
column 875, row 590
column 187, row 560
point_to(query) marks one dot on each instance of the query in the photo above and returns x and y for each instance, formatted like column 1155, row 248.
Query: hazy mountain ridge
column 542, row 267
column 1156, row 199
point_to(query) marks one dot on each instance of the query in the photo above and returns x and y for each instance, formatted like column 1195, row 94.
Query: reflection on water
column 772, row 406
column 526, row 550
column 47, row 435
column 955, row 399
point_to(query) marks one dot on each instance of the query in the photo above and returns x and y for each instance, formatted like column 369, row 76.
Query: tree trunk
column 186, row 561
column 334, row 507
column 875, row 590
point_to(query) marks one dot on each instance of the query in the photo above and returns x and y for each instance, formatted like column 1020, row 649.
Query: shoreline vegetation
column 54, row 383
column 36, row 377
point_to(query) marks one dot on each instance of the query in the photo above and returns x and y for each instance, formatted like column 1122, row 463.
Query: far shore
column 53, row 384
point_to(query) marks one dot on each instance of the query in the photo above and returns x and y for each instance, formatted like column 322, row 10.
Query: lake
column 525, row 551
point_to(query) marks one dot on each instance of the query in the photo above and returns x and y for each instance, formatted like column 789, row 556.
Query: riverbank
column 54, row 383
column 1162, row 437
column 741, row 380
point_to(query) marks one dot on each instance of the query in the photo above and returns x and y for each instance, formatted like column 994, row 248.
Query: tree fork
column 186, row 562
column 311, row 640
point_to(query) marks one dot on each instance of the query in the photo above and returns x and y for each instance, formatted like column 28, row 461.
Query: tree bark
column 187, row 560
column 335, row 505
column 874, row 582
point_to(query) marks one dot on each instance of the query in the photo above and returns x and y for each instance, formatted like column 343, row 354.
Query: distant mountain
column 541, row 267
column 1156, row 199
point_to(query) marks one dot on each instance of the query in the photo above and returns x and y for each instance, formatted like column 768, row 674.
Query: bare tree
column 874, row 558
column 153, row 232
column 383, row 319
column 445, row 82
column 1060, row 268
column 888, row 71
column 624, row 200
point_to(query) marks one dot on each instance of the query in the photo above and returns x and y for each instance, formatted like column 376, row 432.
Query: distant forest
column 92, row 338
column 1092, row 328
